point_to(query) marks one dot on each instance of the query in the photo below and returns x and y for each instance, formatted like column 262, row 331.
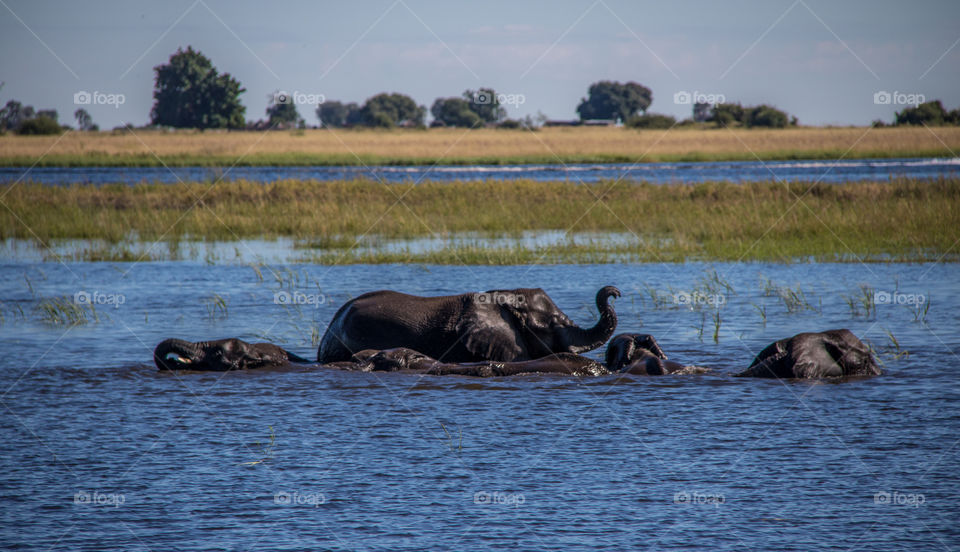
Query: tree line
column 189, row 92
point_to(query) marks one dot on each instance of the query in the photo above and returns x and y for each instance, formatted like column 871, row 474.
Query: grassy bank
column 482, row 146
column 899, row 220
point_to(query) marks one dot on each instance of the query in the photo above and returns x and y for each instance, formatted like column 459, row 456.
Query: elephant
column 829, row 354
column 641, row 355
column 387, row 360
column 500, row 325
column 623, row 356
column 405, row 359
column 622, row 349
column 220, row 355
column 643, row 362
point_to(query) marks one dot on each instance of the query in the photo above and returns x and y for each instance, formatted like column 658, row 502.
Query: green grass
column 302, row 159
column 898, row 220
column 64, row 311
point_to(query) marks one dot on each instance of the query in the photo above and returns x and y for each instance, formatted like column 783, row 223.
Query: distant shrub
column 726, row 114
column 455, row 112
column 510, row 124
column 40, row 125
column 765, row 116
column 930, row 113
column 730, row 114
column 651, row 120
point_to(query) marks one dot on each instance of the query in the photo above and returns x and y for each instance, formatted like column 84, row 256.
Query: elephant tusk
column 178, row 358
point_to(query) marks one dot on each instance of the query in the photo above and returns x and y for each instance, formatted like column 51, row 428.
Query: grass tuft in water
column 459, row 446
column 216, row 306
column 897, row 352
column 64, row 311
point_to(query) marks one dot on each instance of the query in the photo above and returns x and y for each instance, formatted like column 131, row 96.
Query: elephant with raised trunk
column 220, row 355
column 829, row 354
column 501, row 325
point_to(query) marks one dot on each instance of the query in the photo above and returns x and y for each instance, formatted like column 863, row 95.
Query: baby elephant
column 404, row 359
column 220, row 355
column 829, row 354
column 640, row 354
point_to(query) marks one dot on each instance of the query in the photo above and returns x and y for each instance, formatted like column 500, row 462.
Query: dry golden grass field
column 459, row 146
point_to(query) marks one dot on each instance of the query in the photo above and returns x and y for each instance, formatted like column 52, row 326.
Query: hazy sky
column 820, row 60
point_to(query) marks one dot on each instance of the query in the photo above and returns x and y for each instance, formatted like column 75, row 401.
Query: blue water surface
column 102, row 452
column 830, row 171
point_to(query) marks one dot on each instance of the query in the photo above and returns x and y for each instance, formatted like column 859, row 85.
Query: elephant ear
column 649, row 343
column 486, row 333
column 267, row 353
column 816, row 362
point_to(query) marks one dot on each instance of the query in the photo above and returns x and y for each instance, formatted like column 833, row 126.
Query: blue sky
column 820, row 60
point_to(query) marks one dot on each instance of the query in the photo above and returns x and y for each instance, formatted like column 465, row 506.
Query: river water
column 831, row 171
column 101, row 452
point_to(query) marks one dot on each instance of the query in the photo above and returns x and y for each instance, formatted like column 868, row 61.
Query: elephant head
column 531, row 325
column 829, row 354
column 219, row 355
column 392, row 360
column 628, row 347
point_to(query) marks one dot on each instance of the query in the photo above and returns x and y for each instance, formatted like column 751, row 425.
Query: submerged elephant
column 220, row 355
column 829, row 354
column 405, row 359
column 624, row 348
column 622, row 357
column 501, row 325
column 641, row 355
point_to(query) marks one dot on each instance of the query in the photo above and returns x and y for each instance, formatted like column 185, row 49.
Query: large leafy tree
column 701, row 112
column 730, row 114
column 726, row 114
column 765, row 116
column 929, row 113
column 189, row 93
column 283, row 113
column 455, row 112
column 41, row 124
column 613, row 100
column 486, row 104
column 84, row 120
column 334, row 114
column 390, row 110
column 14, row 114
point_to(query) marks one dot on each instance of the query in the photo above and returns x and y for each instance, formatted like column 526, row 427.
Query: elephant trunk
column 581, row 340
column 173, row 354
